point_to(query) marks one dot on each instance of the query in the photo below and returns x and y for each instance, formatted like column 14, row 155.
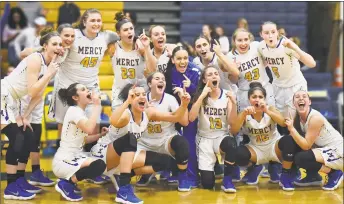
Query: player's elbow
column 312, row 64
column 184, row 122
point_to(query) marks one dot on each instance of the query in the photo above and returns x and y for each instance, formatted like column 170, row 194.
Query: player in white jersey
column 251, row 67
column 29, row 78
column 160, row 50
column 66, row 32
column 131, row 58
column 162, row 137
column 212, row 107
column 282, row 56
column 118, row 147
column 71, row 164
column 228, row 70
column 259, row 121
column 82, row 61
column 311, row 127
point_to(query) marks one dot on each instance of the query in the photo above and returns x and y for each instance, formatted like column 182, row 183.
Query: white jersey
column 17, row 80
column 132, row 127
column 285, row 67
column 251, row 67
column 212, row 119
column 328, row 136
column 157, row 130
column 261, row 133
column 72, row 137
column 225, row 83
column 83, row 60
column 127, row 66
column 162, row 61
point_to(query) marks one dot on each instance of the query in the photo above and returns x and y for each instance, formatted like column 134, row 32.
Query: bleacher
column 106, row 76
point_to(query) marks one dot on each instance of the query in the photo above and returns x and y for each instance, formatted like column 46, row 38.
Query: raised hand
column 250, row 110
column 206, row 89
column 144, row 39
column 53, row 66
column 217, row 47
column 186, row 82
column 95, row 98
column 104, row 131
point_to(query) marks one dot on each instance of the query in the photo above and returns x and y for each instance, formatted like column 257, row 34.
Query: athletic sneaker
column 164, row 175
column 172, row 179
column 274, row 172
column 184, row 184
column 334, row 179
column 309, row 180
column 286, row 181
column 15, row 192
column 37, row 178
column 126, row 195
column 145, row 180
column 98, row 180
column 22, row 182
column 253, row 174
column 236, row 174
column 227, row 185
column 66, row 189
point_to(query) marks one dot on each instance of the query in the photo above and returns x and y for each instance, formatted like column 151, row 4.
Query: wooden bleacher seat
column 105, row 68
column 106, row 81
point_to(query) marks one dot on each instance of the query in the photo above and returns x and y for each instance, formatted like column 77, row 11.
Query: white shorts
column 160, row 146
column 99, row 151
column 243, row 101
column 9, row 105
column 69, row 165
column 265, row 153
column 333, row 157
column 207, row 150
column 57, row 110
column 36, row 114
column 284, row 98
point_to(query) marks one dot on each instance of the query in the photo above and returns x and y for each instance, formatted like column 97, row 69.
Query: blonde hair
column 251, row 37
column 244, row 21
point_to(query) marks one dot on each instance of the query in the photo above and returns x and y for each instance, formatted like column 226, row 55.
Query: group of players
column 165, row 106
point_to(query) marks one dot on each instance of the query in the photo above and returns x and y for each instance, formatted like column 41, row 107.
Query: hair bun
column 46, row 30
column 255, row 84
column 119, row 16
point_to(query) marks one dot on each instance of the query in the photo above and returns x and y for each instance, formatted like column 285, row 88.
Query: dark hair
column 297, row 121
column 63, row 26
column 66, row 95
column 199, row 37
column 256, row 86
column 132, row 15
column 123, row 94
column 201, row 86
column 45, row 38
column 150, row 77
column 121, row 19
column 84, row 17
column 168, row 73
column 22, row 21
column 152, row 27
column 213, row 34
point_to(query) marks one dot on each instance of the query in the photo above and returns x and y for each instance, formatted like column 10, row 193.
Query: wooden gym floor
column 161, row 192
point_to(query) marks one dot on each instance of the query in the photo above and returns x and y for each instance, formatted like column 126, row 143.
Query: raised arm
column 34, row 84
column 313, row 131
column 150, row 59
column 197, row 105
column 296, row 51
column 88, row 125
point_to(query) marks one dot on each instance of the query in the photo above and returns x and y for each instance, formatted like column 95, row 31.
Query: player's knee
column 35, row 142
column 158, row 161
column 243, row 156
column 181, row 147
column 207, row 179
column 229, row 146
column 126, row 143
column 288, row 148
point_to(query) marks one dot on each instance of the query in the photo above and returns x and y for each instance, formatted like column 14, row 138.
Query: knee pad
column 243, row 156
column 181, row 147
column 229, row 145
column 288, row 147
column 37, row 132
column 207, row 179
column 11, row 155
column 245, row 140
column 126, row 143
column 158, row 161
column 96, row 168
column 15, row 136
column 283, row 130
column 25, row 151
